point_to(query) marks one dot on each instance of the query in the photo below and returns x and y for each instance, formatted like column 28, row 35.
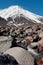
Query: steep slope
column 3, row 22
column 40, row 19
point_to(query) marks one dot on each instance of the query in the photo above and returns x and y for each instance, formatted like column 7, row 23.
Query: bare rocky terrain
column 21, row 39
column 27, row 37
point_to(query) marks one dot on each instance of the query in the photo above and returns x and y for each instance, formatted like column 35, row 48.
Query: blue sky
column 35, row 6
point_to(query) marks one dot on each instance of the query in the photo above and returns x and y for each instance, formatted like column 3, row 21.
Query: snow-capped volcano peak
column 17, row 11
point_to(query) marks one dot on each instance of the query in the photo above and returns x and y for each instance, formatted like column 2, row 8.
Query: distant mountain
column 19, row 15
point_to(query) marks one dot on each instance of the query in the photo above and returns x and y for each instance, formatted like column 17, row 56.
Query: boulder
column 22, row 56
column 5, row 43
column 40, row 45
column 29, row 39
column 41, row 35
column 34, row 44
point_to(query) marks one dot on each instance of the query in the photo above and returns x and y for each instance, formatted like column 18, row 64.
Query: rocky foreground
column 22, row 45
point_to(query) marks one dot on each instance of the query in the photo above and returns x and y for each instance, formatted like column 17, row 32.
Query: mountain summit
column 14, row 11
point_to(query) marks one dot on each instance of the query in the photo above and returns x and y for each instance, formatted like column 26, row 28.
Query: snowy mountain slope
column 14, row 11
